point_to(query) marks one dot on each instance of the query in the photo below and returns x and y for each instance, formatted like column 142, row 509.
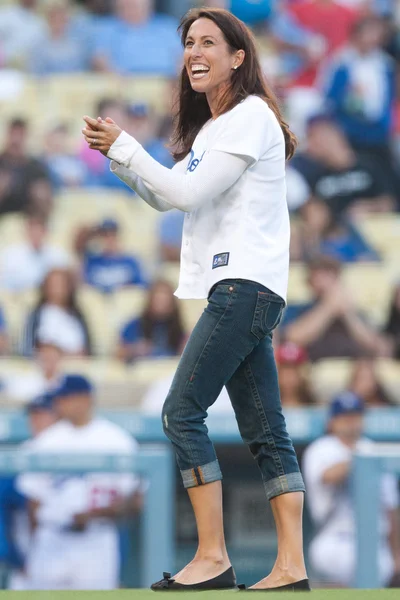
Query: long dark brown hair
column 193, row 110
column 173, row 323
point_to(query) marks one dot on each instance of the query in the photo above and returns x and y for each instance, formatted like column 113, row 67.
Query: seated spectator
column 48, row 357
column 170, row 235
column 327, row 469
column 23, row 266
column 110, row 268
column 21, row 27
column 346, row 182
column 62, row 48
column 65, row 167
column 329, row 325
column 294, row 383
column 143, row 126
column 360, row 86
column 3, row 334
column 158, row 332
column 24, row 181
column 57, row 316
column 392, row 327
column 365, row 383
column 136, row 40
column 319, row 233
column 98, row 166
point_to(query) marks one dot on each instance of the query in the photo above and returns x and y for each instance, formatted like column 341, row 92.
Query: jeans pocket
column 267, row 315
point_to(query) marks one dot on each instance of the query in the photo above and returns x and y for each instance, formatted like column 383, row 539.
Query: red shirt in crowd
column 333, row 22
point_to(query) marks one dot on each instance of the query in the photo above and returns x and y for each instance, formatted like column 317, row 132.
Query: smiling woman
column 230, row 144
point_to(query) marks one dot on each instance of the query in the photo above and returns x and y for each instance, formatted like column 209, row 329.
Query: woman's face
column 57, row 289
column 207, row 57
column 161, row 305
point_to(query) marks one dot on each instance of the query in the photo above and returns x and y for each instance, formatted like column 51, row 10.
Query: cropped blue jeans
column 231, row 346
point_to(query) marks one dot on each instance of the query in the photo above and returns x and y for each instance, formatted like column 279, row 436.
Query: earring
column 235, row 67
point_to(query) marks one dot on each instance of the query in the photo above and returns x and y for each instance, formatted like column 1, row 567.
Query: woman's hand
column 99, row 134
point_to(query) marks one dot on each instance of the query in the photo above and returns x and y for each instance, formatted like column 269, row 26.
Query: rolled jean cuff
column 292, row 482
column 201, row 475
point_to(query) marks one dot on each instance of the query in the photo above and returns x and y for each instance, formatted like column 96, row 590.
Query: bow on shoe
column 167, row 580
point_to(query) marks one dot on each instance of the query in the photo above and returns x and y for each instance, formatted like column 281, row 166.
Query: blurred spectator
column 338, row 176
column 48, row 356
column 170, row 235
column 329, row 325
column 320, row 233
column 21, row 27
column 24, row 181
column 3, row 333
column 360, row 87
column 304, row 35
column 327, row 467
column 294, row 384
column 15, row 531
column 76, row 515
column 57, row 316
column 64, row 165
column 392, row 327
column 365, row 383
column 143, row 125
column 23, row 266
column 136, row 40
column 158, row 331
column 62, row 48
column 97, row 164
column 110, row 268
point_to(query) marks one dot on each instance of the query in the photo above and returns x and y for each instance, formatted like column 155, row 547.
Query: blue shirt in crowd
column 133, row 332
column 108, row 273
column 171, row 226
column 151, row 48
column 348, row 247
column 11, row 501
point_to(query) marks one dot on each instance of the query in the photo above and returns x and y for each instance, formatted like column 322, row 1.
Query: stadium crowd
column 87, row 273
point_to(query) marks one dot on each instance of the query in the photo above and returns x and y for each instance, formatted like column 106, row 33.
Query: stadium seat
column 11, row 230
column 126, row 304
column 96, row 308
column 383, row 232
column 17, row 307
column 330, row 376
column 191, row 311
column 389, row 373
column 370, row 289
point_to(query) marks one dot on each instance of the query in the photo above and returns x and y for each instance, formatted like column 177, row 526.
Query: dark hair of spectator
column 71, row 306
column 173, row 321
column 106, row 103
column 324, row 263
column 193, row 110
column 18, row 123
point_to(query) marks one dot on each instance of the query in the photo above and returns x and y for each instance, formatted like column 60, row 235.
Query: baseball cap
column 138, row 110
column 346, row 403
column 73, row 384
column 109, row 225
column 42, row 402
column 290, row 354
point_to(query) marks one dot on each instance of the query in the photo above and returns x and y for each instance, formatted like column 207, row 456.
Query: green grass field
column 147, row 594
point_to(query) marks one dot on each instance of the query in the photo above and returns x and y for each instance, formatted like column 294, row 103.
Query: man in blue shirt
column 111, row 269
column 136, row 40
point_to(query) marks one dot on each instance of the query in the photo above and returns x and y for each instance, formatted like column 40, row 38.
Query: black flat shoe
column 297, row 586
column 225, row 581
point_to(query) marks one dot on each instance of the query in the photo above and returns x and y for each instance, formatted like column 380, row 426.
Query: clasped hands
column 101, row 134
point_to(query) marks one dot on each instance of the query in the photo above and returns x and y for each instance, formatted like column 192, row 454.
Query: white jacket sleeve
column 215, row 173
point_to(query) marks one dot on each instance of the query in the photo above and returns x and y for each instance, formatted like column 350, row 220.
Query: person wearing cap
column 14, row 522
column 75, row 543
column 327, row 464
column 111, row 268
column 294, row 384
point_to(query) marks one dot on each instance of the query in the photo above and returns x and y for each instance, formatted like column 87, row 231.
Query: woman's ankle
column 217, row 557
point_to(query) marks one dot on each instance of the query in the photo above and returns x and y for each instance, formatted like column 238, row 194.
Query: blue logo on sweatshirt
column 194, row 162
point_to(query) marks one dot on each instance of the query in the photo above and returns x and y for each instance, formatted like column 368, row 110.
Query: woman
column 366, row 383
column 57, row 317
column 230, row 146
column 158, row 331
column 294, row 382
